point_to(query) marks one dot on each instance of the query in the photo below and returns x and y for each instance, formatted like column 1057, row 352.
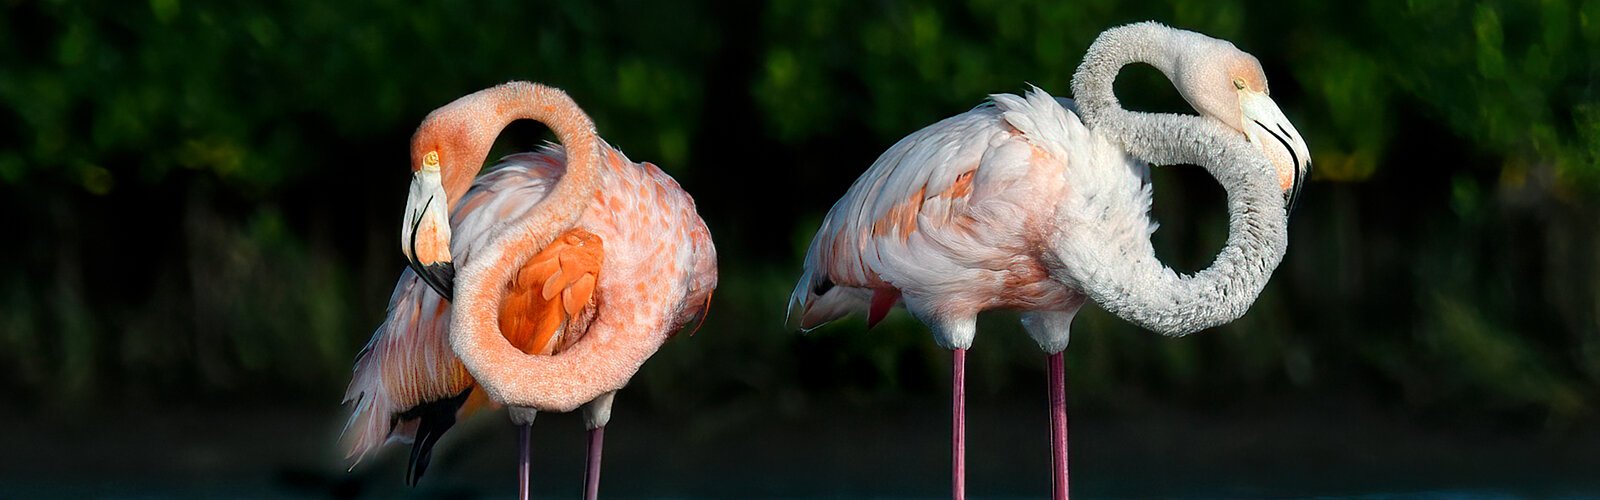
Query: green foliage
column 1479, row 359
column 208, row 188
column 1517, row 83
column 131, row 93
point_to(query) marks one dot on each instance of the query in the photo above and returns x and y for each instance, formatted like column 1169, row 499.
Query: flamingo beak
column 425, row 232
column 1266, row 126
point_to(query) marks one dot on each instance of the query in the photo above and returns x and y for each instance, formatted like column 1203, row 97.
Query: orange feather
column 544, row 303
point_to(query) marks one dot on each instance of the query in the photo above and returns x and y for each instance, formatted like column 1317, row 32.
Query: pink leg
column 524, row 462
column 1058, row 426
column 959, row 427
column 591, row 478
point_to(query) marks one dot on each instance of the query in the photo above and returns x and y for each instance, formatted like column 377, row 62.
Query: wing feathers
column 408, row 365
column 935, row 204
column 578, row 295
column 551, row 292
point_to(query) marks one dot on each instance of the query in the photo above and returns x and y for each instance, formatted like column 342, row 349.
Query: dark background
column 200, row 202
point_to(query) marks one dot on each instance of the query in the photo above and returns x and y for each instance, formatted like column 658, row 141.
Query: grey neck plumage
column 1139, row 288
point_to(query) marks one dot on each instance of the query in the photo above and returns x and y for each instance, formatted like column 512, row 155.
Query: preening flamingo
column 576, row 264
column 1017, row 204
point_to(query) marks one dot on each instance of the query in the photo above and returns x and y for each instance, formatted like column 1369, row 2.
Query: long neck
column 1146, row 42
column 1135, row 285
column 471, row 124
column 513, row 377
column 617, row 343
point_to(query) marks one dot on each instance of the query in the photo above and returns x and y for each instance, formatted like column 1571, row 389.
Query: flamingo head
column 425, row 231
column 1228, row 84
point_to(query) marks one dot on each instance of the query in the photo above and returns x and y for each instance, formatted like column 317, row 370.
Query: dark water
column 842, row 449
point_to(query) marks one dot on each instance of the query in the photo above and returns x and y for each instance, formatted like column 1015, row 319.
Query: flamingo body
column 959, row 217
column 1018, row 204
column 639, row 249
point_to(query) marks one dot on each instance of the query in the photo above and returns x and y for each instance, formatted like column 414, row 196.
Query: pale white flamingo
column 576, row 264
column 1018, row 205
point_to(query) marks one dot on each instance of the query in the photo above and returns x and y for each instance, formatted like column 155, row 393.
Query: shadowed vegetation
column 203, row 199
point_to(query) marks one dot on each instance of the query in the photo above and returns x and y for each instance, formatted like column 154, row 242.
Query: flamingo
column 575, row 265
column 1040, row 204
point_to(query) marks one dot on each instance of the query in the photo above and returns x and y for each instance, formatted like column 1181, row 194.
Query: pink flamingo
column 1018, row 205
column 576, row 264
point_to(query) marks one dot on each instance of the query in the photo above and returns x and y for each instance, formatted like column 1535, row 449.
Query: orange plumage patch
column 550, row 301
column 962, row 186
column 902, row 217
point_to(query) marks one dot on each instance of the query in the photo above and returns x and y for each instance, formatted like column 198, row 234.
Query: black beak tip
column 1291, row 198
column 440, row 276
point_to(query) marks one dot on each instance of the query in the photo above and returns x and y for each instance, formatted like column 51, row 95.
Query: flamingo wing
column 838, row 277
column 938, row 207
column 550, row 301
column 888, row 201
column 408, row 385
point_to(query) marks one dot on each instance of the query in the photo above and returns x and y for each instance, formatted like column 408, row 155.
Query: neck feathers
column 466, row 129
column 1135, row 285
column 475, row 335
column 1147, row 42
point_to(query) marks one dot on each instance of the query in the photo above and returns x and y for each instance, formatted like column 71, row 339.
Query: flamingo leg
column 591, row 476
column 1058, row 426
column 524, row 459
column 958, row 441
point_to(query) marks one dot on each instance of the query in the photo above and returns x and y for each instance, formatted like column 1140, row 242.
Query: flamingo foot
column 1058, row 426
column 591, row 476
column 958, row 441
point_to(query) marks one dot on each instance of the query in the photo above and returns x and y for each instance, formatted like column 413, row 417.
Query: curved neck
column 1132, row 283
column 1139, row 288
column 462, row 133
column 617, row 343
column 512, row 377
column 1092, row 84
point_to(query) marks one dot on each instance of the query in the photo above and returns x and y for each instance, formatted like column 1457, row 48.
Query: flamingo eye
column 1238, row 83
column 430, row 161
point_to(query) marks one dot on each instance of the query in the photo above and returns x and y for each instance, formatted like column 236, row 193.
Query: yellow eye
column 1238, row 83
column 430, row 161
